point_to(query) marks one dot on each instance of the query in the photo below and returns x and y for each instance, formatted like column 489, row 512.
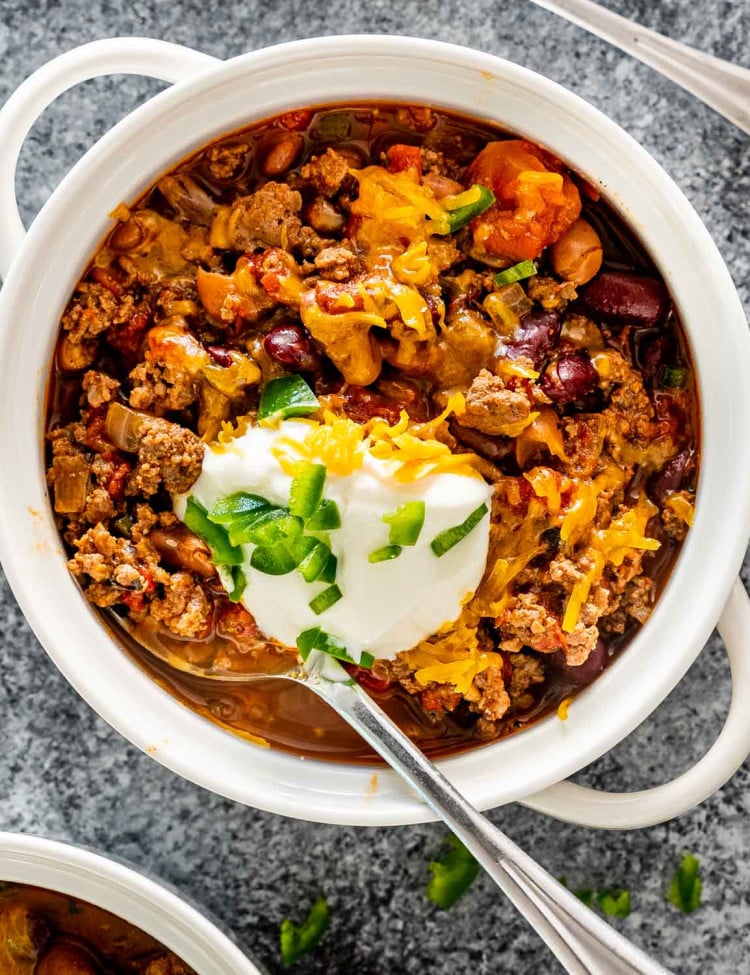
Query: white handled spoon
column 720, row 84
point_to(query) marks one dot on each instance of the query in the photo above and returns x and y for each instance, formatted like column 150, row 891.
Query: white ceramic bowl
column 79, row 873
column 212, row 98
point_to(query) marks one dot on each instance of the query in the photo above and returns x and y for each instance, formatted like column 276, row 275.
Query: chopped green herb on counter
column 285, row 397
column 686, row 886
column 452, row 874
column 446, row 540
column 519, row 272
column 299, row 940
column 614, row 903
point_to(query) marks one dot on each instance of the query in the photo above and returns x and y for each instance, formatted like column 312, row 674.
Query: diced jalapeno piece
column 519, row 272
column 326, row 518
column 406, row 523
column 238, row 584
column 235, row 506
column 324, row 600
column 273, row 560
column 468, row 205
column 314, row 563
column 269, row 528
column 329, row 572
column 306, row 491
column 385, row 554
column 223, row 551
column 287, row 396
column 445, row 541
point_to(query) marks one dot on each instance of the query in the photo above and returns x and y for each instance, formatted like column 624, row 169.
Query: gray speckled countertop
column 65, row 773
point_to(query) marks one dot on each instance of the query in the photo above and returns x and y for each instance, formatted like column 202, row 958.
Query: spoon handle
column 582, row 942
column 722, row 85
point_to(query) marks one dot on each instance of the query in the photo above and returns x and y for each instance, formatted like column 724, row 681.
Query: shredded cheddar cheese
column 562, row 708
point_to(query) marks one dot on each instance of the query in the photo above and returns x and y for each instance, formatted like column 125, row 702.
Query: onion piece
column 72, row 476
column 124, row 427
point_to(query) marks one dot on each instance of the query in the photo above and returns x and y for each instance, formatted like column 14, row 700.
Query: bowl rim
column 311, row 789
column 118, row 888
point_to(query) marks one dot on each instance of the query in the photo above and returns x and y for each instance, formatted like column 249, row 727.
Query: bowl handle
column 628, row 810
column 117, row 55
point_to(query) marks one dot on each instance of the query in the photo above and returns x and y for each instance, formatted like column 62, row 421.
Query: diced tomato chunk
column 403, row 158
column 535, row 201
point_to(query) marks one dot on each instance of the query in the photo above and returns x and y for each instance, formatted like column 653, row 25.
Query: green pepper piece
column 324, row 600
column 326, row 518
column 675, row 376
column 299, row 941
column 287, row 396
column 223, row 552
column 329, row 572
column 406, row 523
column 269, row 528
column 445, row 541
column 274, row 560
column 483, row 198
column 519, row 272
column 452, row 874
column 334, row 127
column 235, row 506
column 306, row 491
column 238, row 584
column 385, row 554
column 317, row 639
column 313, row 564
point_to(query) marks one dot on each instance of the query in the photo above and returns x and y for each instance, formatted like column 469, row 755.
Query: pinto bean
column 570, row 377
column 126, row 236
column 179, row 547
column 621, row 298
column 323, row 216
column 67, row 959
column 282, row 154
column 577, row 255
column 536, row 335
column 291, row 345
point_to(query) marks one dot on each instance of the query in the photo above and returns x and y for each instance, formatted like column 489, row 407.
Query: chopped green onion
column 238, row 584
column 452, row 874
column 235, row 506
column 614, row 903
column 287, row 396
column 306, row 491
column 269, row 528
column 324, row 600
column 519, row 272
column 385, row 554
column 326, row 518
column 317, row 639
column 685, row 890
column 478, row 199
column 314, row 561
column 274, row 560
column 296, row 942
column 329, row 572
column 675, row 376
column 445, row 541
column 406, row 523
column 223, row 552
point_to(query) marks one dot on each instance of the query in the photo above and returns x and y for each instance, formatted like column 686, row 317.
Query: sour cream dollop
column 386, row 607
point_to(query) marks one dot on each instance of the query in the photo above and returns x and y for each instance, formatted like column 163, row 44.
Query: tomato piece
column 403, row 158
column 535, row 202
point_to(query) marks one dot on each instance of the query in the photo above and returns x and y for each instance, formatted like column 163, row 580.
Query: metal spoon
column 720, row 84
column 583, row 943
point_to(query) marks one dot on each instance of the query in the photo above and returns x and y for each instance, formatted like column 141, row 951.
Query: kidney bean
column 622, row 298
column 282, row 154
column 291, row 346
column 671, row 476
column 536, row 335
column 570, row 377
column 653, row 350
column 586, row 672
column 220, row 355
